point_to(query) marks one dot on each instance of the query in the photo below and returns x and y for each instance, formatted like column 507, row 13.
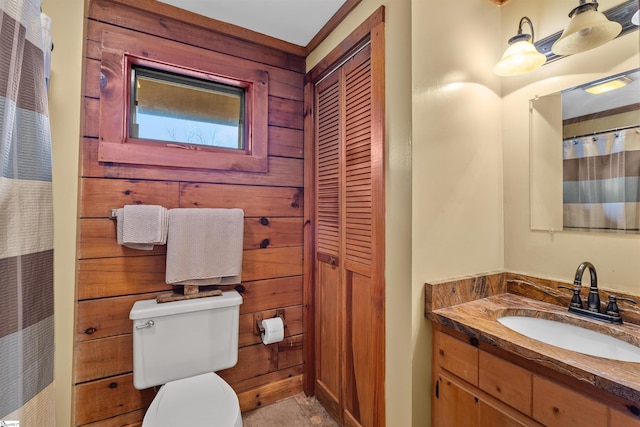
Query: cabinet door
column 619, row 419
column 454, row 406
column 492, row 417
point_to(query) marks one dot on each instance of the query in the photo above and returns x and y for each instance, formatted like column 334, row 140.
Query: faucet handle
column 612, row 307
column 576, row 301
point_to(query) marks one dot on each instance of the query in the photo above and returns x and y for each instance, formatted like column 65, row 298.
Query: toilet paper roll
column 273, row 330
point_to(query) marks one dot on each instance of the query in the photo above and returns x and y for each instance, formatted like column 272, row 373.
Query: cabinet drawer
column 457, row 357
column 505, row 381
column 557, row 406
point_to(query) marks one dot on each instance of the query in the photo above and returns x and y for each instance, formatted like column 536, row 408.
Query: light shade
column 521, row 56
column 635, row 19
column 587, row 29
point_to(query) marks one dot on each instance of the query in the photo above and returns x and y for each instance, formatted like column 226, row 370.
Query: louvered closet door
column 328, row 237
column 364, row 299
column 349, row 285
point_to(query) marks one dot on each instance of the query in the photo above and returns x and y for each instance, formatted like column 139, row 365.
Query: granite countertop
column 479, row 319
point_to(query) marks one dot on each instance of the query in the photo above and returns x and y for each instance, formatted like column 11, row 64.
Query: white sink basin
column 573, row 338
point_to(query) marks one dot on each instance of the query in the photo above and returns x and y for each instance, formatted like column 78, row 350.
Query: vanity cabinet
column 473, row 387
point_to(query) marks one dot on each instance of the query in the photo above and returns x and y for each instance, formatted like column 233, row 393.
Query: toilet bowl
column 202, row 401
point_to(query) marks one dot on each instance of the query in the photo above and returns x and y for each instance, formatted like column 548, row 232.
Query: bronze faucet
column 611, row 314
column 593, row 301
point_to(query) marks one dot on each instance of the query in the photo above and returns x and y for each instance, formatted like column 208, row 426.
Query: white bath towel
column 142, row 226
column 204, row 246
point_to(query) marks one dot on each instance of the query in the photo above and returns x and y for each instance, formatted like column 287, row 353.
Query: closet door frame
column 369, row 32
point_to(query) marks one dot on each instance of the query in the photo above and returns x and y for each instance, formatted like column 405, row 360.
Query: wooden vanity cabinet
column 472, row 387
column 457, row 398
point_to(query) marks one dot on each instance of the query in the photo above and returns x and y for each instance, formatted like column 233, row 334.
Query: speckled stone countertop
column 478, row 318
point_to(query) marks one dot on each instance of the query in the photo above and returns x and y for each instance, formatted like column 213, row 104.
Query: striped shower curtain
column 26, row 222
column 601, row 188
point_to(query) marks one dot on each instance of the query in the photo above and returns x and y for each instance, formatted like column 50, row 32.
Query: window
column 173, row 108
column 168, row 104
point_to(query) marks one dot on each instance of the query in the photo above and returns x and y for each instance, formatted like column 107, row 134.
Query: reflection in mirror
column 601, row 154
column 598, row 163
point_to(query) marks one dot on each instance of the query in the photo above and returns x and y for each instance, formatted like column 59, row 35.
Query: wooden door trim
column 378, row 106
column 309, row 262
column 371, row 30
column 343, row 50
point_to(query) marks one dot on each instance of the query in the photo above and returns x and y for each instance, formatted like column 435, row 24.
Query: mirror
column 585, row 157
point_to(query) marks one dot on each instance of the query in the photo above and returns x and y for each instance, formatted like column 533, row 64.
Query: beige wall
column 398, row 195
column 64, row 112
column 457, row 161
column 539, row 253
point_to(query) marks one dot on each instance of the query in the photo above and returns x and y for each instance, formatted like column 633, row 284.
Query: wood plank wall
column 110, row 278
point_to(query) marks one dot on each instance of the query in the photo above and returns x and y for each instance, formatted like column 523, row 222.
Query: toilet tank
column 181, row 339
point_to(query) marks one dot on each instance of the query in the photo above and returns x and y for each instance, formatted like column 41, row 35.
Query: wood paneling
column 252, row 384
column 109, row 397
column 270, row 392
column 98, row 237
column 111, row 278
column 105, row 317
column 99, row 196
column 255, row 200
column 150, row 18
column 249, row 333
column 129, row 419
column 284, row 172
column 265, row 294
column 103, row 357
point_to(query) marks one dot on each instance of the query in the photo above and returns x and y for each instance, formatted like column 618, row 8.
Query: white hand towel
column 204, row 246
column 142, row 226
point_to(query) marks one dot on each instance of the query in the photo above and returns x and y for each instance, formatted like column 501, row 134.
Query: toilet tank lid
column 151, row 308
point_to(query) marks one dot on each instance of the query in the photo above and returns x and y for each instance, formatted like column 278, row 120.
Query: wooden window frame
column 121, row 52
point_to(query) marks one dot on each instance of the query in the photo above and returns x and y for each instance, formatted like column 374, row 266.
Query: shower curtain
column 601, row 175
column 26, row 222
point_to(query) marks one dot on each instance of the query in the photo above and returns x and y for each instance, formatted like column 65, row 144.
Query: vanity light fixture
column 587, row 29
column 608, row 85
column 521, row 56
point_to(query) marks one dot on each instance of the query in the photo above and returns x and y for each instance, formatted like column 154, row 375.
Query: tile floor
column 296, row 411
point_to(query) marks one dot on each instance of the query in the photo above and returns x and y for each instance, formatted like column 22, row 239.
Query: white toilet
column 180, row 344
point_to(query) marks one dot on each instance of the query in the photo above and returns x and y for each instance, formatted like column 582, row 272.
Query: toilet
column 180, row 345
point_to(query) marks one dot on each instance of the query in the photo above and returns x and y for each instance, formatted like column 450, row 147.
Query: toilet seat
column 202, row 401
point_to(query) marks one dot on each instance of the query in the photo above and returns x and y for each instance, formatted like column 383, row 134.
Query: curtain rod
column 603, row 132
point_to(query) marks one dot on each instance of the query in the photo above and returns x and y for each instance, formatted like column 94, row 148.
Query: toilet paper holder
column 258, row 321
